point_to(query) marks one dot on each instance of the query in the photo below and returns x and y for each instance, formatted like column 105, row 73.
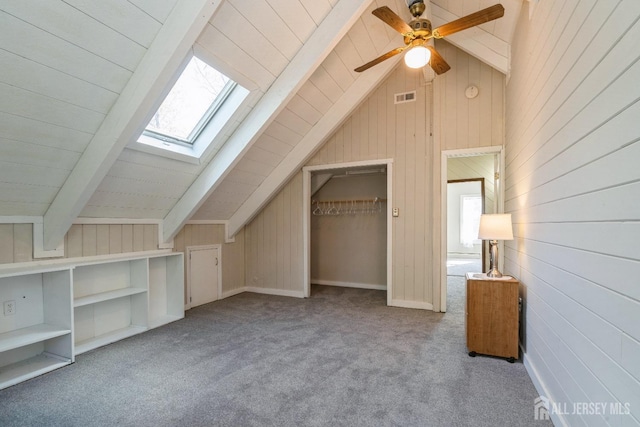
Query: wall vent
column 401, row 98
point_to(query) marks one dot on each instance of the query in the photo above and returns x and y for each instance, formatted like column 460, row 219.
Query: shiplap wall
column 232, row 253
column 573, row 188
column 273, row 242
column 16, row 240
column 460, row 122
column 378, row 129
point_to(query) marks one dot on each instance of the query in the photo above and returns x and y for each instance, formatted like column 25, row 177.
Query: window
column 196, row 117
column 194, row 99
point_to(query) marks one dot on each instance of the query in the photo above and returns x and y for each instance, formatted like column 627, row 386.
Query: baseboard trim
column 411, row 304
column 266, row 291
column 278, row 292
column 349, row 284
column 557, row 419
column 232, row 292
column 300, row 294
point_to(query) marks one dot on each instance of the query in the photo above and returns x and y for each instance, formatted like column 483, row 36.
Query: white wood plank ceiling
column 65, row 64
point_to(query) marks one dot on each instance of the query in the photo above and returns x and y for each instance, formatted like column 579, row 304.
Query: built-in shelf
column 30, row 368
column 93, row 300
column 30, row 335
column 108, row 338
column 106, row 296
column 36, row 338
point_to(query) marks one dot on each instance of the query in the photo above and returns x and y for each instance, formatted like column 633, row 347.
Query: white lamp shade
column 495, row 227
column 417, row 57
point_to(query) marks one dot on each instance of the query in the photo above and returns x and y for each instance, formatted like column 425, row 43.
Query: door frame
column 499, row 207
column 188, row 250
column 306, row 218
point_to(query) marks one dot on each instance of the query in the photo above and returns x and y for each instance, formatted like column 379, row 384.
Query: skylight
column 192, row 102
column 200, row 111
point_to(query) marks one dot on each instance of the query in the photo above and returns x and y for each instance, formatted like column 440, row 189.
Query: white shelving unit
column 166, row 300
column 69, row 306
column 37, row 337
column 109, row 302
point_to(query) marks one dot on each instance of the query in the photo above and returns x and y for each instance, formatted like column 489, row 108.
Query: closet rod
column 350, row 201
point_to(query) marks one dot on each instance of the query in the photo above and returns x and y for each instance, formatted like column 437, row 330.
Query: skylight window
column 197, row 115
column 194, row 99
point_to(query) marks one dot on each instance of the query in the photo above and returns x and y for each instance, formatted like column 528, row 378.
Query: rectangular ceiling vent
column 401, row 98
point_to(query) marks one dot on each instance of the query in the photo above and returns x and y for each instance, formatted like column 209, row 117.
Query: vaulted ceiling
column 79, row 81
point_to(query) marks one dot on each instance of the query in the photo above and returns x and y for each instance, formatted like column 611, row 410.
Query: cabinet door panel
column 492, row 317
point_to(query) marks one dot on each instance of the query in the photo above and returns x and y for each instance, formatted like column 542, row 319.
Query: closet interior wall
column 349, row 232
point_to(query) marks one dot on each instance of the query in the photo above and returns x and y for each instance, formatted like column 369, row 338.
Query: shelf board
column 29, row 368
column 30, row 335
column 108, row 338
column 106, row 296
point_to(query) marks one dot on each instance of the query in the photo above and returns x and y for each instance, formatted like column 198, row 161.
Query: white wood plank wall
column 232, row 253
column 573, row 186
column 273, row 242
column 378, row 129
column 16, row 240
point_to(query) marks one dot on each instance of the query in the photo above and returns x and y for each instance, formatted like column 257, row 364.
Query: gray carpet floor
column 340, row 358
column 458, row 266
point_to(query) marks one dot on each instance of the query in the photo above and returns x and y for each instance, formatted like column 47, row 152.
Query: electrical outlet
column 9, row 308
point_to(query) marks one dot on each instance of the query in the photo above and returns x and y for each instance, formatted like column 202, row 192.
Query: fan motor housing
column 421, row 29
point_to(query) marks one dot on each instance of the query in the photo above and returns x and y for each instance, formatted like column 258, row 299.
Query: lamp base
column 494, row 273
column 493, row 259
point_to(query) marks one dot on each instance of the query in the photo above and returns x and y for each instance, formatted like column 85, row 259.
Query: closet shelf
column 376, row 200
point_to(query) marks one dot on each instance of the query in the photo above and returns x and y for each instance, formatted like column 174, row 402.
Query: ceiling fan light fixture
column 417, row 57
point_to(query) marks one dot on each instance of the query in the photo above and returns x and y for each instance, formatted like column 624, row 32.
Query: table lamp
column 494, row 227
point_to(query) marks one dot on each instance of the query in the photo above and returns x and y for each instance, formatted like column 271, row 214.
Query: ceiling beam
column 475, row 41
column 125, row 119
column 348, row 102
column 315, row 50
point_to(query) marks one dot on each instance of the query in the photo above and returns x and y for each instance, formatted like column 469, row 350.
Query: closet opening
column 347, row 226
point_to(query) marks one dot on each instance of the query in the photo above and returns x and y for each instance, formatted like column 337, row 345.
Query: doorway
column 461, row 165
column 465, row 205
column 334, row 205
column 204, row 281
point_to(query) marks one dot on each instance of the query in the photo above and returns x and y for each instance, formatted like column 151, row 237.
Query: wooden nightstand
column 492, row 316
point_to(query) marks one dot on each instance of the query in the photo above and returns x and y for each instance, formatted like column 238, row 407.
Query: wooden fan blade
column 485, row 15
column 379, row 59
column 437, row 62
column 394, row 21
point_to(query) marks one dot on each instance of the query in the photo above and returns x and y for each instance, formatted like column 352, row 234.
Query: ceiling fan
column 418, row 32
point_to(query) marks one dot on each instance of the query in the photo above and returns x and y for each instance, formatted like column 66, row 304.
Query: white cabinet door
column 204, row 265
